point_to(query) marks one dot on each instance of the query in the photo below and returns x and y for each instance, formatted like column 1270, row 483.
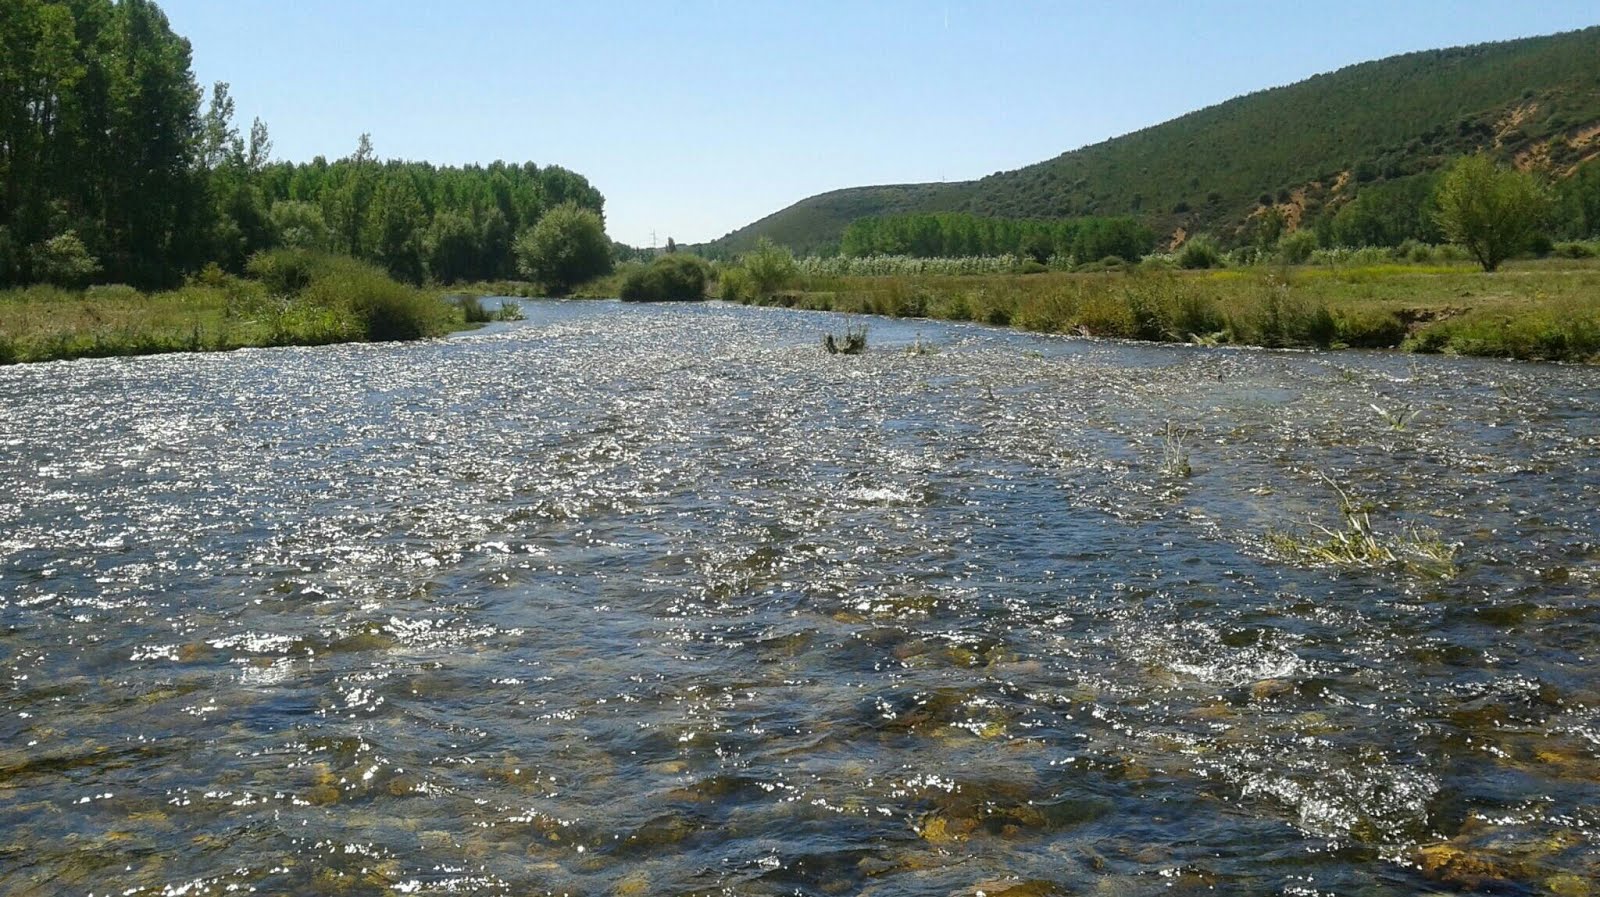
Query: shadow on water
column 664, row 599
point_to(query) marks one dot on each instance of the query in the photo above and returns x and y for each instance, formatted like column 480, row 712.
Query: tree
column 451, row 247
column 64, row 261
column 299, row 225
column 674, row 277
column 771, row 267
column 567, row 246
column 1492, row 212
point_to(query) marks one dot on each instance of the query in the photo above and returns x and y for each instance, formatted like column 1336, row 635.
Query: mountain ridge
column 1302, row 147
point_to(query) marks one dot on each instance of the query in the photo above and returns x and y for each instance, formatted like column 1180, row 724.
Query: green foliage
column 473, row 310
column 1279, row 318
column 672, row 277
column 1381, row 122
column 451, row 247
column 9, row 260
column 734, row 284
column 63, row 260
column 1580, row 201
column 103, row 133
column 286, row 272
column 953, row 235
column 1199, row 251
column 771, row 267
column 1490, row 211
column 341, row 300
column 882, row 265
column 299, row 225
column 1296, row 248
column 381, row 308
column 1369, row 329
column 566, row 247
column 854, row 341
column 1388, row 214
column 1550, row 331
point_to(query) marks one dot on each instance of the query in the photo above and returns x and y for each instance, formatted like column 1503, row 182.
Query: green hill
column 1304, row 148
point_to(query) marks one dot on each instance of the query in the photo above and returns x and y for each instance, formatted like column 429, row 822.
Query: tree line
column 957, row 235
column 116, row 167
column 1423, row 208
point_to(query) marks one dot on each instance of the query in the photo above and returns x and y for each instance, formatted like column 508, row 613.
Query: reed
column 854, row 342
column 1355, row 543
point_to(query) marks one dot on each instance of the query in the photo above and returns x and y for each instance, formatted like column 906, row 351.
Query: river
column 667, row 600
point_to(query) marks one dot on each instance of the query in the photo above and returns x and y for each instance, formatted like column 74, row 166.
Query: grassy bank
column 1533, row 310
column 290, row 298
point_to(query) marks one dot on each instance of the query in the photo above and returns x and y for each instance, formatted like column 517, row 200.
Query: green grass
column 1356, row 544
column 317, row 300
column 1538, row 310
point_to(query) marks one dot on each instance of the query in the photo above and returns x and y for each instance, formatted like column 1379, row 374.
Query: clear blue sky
column 697, row 117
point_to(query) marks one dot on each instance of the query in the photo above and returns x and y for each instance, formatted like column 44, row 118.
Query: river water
column 666, row 600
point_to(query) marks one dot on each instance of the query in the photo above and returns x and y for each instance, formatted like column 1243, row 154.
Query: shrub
column 735, row 285
column 1199, row 252
column 771, row 267
column 388, row 310
column 473, row 312
column 63, row 260
column 1279, row 318
column 1370, row 329
column 1195, row 315
column 285, row 272
column 566, row 247
column 375, row 305
column 1574, row 250
column 674, row 277
column 854, row 342
column 1297, row 247
column 113, row 292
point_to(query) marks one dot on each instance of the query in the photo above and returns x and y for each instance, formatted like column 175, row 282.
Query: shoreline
column 1531, row 312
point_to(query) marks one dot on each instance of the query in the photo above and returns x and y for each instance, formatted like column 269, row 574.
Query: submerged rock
column 1267, row 689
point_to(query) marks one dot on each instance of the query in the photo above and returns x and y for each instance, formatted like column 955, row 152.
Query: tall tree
column 1491, row 211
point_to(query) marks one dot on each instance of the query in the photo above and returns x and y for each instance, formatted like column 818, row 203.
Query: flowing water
column 666, row 600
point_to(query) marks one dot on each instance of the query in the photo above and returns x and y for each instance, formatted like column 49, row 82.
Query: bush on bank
column 674, row 277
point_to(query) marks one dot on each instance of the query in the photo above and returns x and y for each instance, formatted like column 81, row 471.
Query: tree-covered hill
column 1304, row 148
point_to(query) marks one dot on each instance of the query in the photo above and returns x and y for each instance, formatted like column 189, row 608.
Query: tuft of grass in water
column 1175, row 454
column 509, row 311
column 1357, row 544
column 854, row 341
column 920, row 348
column 1398, row 419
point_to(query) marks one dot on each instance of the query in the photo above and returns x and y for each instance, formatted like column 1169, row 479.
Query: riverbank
column 1537, row 310
column 290, row 299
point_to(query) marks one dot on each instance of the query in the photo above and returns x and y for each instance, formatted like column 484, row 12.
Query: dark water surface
column 662, row 600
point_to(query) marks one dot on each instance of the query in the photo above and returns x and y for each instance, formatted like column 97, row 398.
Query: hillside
column 1300, row 148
